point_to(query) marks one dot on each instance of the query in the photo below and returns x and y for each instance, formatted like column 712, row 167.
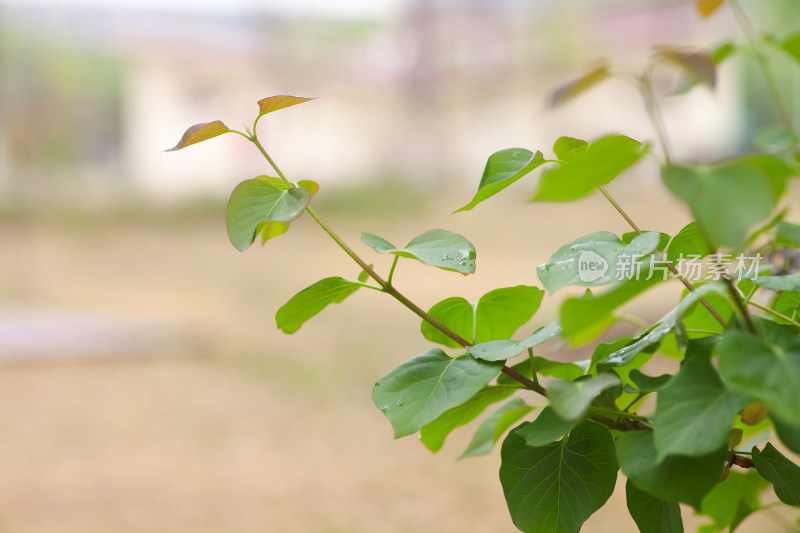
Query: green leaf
column 697, row 65
column 311, row 300
column 779, row 283
column 434, row 434
column 503, row 311
column 707, row 7
column 457, row 314
column 580, row 314
column 501, row 350
column 199, row 133
column 726, row 200
column 694, row 411
column 675, row 479
column 769, row 373
column 437, row 247
column 570, row 399
column 255, row 201
column 417, row 392
column 604, row 160
column 781, row 472
column 547, row 428
column 271, row 229
column 557, row 487
column 775, row 139
column 733, row 500
column 786, row 233
column 651, row 514
column 274, row 103
column 497, row 315
column 502, row 169
column 645, row 383
column 494, row 426
column 688, row 242
column 791, row 45
column 567, row 148
column 789, row 434
column 573, row 88
column 722, row 52
column 667, row 323
column 593, row 259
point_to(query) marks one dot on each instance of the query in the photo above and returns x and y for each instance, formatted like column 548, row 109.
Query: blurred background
column 143, row 383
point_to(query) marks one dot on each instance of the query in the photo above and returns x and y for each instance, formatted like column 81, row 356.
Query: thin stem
column 774, row 313
column 533, row 366
column 639, row 397
column 653, row 111
column 763, row 63
column 619, row 209
column 255, row 140
column 740, row 306
column 391, row 270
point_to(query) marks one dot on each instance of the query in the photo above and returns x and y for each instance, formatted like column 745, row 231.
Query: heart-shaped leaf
column 199, row 133
column 497, row 315
column 557, row 487
column 594, row 259
column 417, row 392
column 255, row 201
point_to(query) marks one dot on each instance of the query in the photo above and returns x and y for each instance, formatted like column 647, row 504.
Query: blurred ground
column 223, row 424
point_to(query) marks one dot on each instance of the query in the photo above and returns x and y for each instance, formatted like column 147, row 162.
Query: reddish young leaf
column 200, row 132
column 573, row 88
column 707, row 7
column 697, row 64
column 275, row 103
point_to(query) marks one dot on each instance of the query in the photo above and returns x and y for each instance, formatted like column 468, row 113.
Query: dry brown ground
column 232, row 426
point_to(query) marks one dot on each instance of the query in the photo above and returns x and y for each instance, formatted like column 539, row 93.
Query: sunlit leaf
column 199, row 133
column 786, row 233
column 255, row 201
column 707, row 7
column 271, row 229
column 274, row 103
column 732, row 501
column 573, row 88
column 601, row 162
column 417, row 392
column 311, row 300
column 567, row 148
column 688, row 242
column 791, row 45
column 502, row 169
column 557, row 487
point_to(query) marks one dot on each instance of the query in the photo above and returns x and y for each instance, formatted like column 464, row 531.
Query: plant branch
column 740, row 306
column 763, row 63
column 386, row 285
column 669, row 264
column 653, row 111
